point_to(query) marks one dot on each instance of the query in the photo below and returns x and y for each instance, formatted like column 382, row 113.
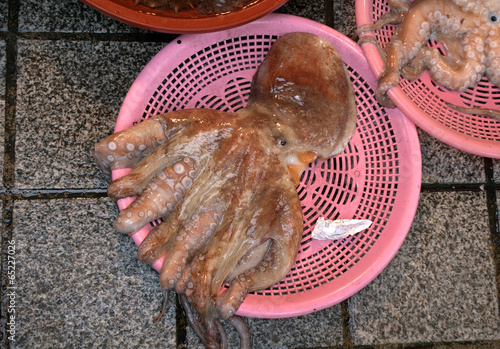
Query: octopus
column 469, row 31
column 205, row 7
column 223, row 184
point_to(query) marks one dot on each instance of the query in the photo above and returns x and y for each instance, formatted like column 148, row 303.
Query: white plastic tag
column 339, row 228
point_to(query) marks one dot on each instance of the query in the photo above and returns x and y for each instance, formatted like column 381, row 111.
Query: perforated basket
column 377, row 177
column 424, row 102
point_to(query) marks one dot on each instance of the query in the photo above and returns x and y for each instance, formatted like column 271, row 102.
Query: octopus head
column 310, row 98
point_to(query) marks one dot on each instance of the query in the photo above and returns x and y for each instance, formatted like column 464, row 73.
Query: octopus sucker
column 116, row 154
column 468, row 29
column 158, row 198
column 222, row 186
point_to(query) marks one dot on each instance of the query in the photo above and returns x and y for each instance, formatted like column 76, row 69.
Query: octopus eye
column 282, row 142
column 493, row 17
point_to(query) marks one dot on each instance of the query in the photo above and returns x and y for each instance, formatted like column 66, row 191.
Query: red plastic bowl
column 185, row 21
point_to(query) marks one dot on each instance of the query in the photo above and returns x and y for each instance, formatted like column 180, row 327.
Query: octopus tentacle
column 250, row 260
column 477, row 111
column 137, row 180
column 387, row 18
column 163, row 236
column 415, row 67
column 214, row 264
column 462, row 74
column 241, row 327
column 401, row 5
column 200, row 147
column 148, row 168
column 389, row 76
column 399, row 9
column 164, row 306
column 452, row 60
column 126, row 148
column 259, row 277
column 158, row 241
column 493, row 57
column 222, row 333
column 408, row 40
column 369, row 39
column 192, row 236
column 159, row 198
column 206, row 332
column 259, row 273
column 161, row 239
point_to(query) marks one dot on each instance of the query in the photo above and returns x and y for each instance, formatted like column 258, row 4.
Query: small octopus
column 225, row 183
column 468, row 29
column 205, row 7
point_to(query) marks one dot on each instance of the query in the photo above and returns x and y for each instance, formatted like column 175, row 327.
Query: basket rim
column 343, row 286
column 434, row 128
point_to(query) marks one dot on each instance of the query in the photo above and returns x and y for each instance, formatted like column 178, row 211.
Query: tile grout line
column 10, row 97
column 329, row 13
column 97, row 37
column 346, row 319
column 493, row 223
column 456, row 187
column 8, row 316
column 180, row 325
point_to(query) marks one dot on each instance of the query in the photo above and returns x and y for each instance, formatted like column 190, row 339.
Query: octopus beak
column 298, row 163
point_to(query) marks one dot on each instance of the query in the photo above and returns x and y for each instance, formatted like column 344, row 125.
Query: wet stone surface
column 68, row 105
column 440, row 286
column 81, row 282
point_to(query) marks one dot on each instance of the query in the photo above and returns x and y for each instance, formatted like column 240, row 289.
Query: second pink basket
column 424, row 102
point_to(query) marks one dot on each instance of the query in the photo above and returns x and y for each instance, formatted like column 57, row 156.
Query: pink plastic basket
column 424, row 102
column 376, row 178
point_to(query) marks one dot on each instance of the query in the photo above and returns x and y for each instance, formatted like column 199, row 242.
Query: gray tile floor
column 65, row 70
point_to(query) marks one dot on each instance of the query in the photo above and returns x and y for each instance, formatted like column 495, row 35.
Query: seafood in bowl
column 468, row 30
column 205, row 7
column 224, row 183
